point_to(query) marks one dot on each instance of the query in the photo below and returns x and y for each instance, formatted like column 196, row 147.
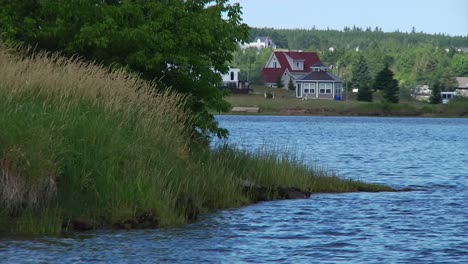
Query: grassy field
column 285, row 103
column 81, row 143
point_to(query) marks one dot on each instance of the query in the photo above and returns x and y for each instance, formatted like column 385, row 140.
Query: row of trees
column 181, row 44
column 384, row 81
column 314, row 39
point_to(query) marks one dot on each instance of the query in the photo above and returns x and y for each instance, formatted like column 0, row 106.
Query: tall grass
column 80, row 141
column 93, row 141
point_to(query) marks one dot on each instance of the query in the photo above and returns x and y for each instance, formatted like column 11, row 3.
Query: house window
column 325, row 88
column 298, row 90
column 298, row 66
column 309, row 88
column 275, row 64
column 312, row 88
column 232, row 76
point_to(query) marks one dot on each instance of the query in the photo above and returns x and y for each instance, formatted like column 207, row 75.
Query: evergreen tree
column 291, row 84
column 279, row 82
column 435, row 96
column 392, row 92
column 385, row 81
column 362, row 79
column 365, row 94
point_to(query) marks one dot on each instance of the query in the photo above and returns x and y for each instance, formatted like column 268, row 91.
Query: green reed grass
column 78, row 140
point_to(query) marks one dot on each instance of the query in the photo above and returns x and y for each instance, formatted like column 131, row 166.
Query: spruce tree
column 279, row 82
column 435, row 97
column 386, row 82
column 362, row 79
column 291, row 85
column 365, row 94
column 383, row 79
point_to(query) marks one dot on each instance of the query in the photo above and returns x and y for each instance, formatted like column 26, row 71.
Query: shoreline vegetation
column 285, row 103
column 82, row 147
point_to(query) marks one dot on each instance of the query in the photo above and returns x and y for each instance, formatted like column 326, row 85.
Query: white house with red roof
column 311, row 78
column 288, row 64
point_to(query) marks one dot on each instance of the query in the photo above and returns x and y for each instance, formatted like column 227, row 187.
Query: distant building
column 447, row 96
column 319, row 84
column 421, row 92
column 231, row 81
column 288, row 64
column 260, row 43
column 310, row 77
column 462, row 86
column 231, row 78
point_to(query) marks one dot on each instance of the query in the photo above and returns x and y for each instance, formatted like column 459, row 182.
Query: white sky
column 430, row 16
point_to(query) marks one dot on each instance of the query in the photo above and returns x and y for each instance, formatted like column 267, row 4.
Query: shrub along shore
column 84, row 148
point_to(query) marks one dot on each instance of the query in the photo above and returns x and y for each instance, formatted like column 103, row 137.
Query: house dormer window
column 275, row 64
column 298, row 65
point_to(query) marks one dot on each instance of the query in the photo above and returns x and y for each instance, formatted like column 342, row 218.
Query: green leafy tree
column 251, row 62
column 435, row 97
column 385, row 81
column 291, row 85
column 447, row 80
column 459, row 64
column 362, row 80
column 183, row 44
column 279, row 82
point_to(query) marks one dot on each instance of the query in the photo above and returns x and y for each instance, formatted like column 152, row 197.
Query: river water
column 428, row 225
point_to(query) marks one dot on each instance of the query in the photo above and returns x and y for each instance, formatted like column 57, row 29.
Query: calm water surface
column 429, row 225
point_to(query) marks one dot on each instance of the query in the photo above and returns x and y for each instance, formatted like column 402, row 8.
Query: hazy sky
column 430, row 16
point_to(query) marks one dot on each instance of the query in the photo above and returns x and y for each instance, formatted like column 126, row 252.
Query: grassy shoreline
column 85, row 148
column 286, row 104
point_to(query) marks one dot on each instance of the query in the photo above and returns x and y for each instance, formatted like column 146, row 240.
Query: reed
column 82, row 141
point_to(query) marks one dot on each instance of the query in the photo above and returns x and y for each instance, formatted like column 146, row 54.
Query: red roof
column 309, row 58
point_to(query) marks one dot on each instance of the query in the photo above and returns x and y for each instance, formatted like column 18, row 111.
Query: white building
column 231, row 78
column 260, row 43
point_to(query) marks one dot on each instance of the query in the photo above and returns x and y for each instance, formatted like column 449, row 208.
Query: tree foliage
column 435, row 97
column 251, row 61
column 365, row 94
column 291, row 85
column 383, row 79
column 386, row 82
column 279, row 82
column 391, row 92
column 180, row 43
column 362, row 80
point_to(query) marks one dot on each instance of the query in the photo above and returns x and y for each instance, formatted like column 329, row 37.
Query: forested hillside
column 415, row 58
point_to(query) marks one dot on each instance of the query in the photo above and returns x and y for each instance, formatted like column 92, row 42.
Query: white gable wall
column 231, row 76
column 273, row 62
